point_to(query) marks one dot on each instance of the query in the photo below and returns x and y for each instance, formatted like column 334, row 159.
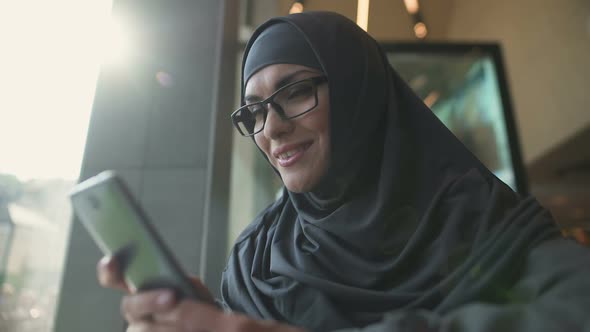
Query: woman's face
column 298, row 148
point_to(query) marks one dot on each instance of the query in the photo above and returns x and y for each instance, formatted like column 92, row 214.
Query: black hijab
column 405, row 218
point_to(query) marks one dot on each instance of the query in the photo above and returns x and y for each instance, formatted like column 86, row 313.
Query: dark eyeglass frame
column 317, row 80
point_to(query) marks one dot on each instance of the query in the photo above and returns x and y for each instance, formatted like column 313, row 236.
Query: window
column 51, row 55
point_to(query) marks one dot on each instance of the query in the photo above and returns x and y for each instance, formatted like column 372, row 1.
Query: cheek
column 324, row 130
column 263, row 144
column 325, row 151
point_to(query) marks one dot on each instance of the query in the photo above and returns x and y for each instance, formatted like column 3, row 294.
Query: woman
column 386, row 222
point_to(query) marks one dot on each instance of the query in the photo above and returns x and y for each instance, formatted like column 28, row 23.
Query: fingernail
column 164, row 298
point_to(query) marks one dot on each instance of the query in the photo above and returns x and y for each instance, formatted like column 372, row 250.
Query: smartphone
column 120, row 227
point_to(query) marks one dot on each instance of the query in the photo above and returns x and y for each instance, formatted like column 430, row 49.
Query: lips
column 288, row 155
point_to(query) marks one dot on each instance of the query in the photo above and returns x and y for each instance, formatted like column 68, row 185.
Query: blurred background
column 146, row 88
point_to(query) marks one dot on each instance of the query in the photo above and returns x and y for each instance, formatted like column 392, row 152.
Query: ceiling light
column 412, row 6
column 296, row 7
column 362, row 14
column 420, row 30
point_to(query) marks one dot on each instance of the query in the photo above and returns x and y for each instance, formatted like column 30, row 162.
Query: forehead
column 274, row 76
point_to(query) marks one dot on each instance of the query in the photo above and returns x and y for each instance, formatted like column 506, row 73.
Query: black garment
column 551, row 295
column 406, row 220
column 280, row 43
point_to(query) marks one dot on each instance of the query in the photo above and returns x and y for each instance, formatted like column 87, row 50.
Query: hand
column 158, row 311
column 109, row 276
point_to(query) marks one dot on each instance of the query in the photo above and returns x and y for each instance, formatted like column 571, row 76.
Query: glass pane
column 463, row 91
column 51, row 57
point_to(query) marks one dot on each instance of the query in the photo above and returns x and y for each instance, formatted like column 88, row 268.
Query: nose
column 275, row 126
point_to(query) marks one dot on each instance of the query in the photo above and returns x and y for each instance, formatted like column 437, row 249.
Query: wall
column 389, row 20
column 344, row 7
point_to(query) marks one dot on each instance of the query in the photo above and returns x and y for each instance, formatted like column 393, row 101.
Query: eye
column 303, row 90
column 256, row 109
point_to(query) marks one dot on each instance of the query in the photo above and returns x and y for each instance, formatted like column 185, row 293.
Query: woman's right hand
column 109, row 274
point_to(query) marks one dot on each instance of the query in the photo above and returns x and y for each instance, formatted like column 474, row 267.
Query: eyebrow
column 279, row 84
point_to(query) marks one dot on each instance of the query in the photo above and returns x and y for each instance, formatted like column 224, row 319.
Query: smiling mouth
column 291, row 156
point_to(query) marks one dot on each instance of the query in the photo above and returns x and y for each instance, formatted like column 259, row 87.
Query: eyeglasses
column 289, row 102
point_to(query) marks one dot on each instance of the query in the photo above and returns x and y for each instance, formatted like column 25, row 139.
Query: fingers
column 139, row 307
column 140, row 327
column 202, row 290
column 147, row 327
column 191, row 316
column 109, row 275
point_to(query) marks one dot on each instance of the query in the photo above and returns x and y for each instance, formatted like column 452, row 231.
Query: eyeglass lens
column 291, row 102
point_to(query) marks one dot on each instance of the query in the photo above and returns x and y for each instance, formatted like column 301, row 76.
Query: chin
column 296, row 185
column 295, row 188
column 300, row 181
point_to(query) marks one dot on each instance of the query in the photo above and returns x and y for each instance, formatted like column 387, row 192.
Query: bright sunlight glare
column 50, row 60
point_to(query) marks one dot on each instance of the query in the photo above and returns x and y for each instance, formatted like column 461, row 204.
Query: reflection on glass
column 31, row 272
column 463, row 92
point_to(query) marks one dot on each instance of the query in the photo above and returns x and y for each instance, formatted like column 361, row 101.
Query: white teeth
column 288, row 154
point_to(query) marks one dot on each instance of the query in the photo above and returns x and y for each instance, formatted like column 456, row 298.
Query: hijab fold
column 405, row 218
